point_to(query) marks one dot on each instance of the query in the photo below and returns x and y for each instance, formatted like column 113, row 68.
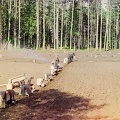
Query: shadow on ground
column 49, row 105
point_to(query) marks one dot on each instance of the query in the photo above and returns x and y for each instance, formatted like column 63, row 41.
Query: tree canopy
column 60, row 24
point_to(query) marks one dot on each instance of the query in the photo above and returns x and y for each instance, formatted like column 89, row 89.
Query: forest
column 60, row 24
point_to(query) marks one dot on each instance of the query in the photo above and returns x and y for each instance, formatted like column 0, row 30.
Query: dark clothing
column 7, row 96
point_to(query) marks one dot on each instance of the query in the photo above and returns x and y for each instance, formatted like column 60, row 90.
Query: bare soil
column 86, row 89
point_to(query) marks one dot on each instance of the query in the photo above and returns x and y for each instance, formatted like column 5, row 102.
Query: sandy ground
column 87, row 89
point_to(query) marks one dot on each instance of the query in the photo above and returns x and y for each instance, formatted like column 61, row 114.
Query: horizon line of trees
column 60, row 24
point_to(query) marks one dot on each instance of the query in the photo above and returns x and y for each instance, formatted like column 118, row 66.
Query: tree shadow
column 49, row 105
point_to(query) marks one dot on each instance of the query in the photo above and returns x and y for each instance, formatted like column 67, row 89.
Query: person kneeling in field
column 7, row 98
column 53, row 69
column 40, row 82
column 65, row 60
column 57, row 60
column 56, row 67
column 74, row 56
column 71, row 57
column 27, row 90
column 47, row 77
column 29, row 82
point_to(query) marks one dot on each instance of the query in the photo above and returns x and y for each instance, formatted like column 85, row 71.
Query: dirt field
column 87, row 89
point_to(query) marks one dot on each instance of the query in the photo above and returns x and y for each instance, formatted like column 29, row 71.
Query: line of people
column 54, row 69
column 7, row 97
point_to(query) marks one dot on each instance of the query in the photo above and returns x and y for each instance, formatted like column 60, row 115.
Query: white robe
column 40, row 82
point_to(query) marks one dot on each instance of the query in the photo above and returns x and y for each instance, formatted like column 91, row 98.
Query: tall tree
column 37, row 23
column 57, row 24
column 62, row 22
column 107, row 25
column 0, row 24
column 118, row 27
column 71, row 28
column 80, row 28
column 88, row 25
column 19, row 25
column 101, row 30
column 97, row 25
column 54, row 26
column 15, row 22
column 9, row 11
column 43, row 24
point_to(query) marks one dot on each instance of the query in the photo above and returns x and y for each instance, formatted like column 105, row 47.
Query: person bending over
column 26, row 90
column 7, row 98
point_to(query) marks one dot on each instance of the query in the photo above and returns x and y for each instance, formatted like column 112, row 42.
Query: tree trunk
column 74, row 43
column 0, row 25
column 0, row 28
column 65, row 44
column 19, row 29
column 114, row 34
column 43, row 24
column 15, row 16
column 97, row 26
column 61, row 44
column 0, row 32
column 105, row 38
column 88, row 24
column 110, row 28
column 9, row 11
column 54, row 28
column 71, row 25
column 107, row 26
column 101, row 32
column 117, row 31
column 37, row 23
column 57, row 24
column 80, row 25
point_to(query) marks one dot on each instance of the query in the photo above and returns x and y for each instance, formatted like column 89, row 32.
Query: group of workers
column 7, row 97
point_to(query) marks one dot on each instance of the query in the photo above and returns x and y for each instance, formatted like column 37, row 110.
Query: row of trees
column 58, row 24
